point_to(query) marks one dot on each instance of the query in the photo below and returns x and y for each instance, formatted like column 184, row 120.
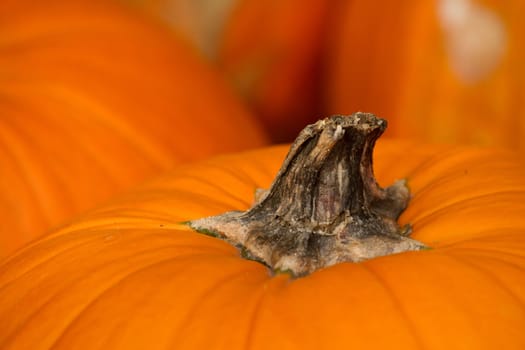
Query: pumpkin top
column 325, row 206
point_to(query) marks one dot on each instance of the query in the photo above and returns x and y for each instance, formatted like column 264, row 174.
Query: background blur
column 442, row 70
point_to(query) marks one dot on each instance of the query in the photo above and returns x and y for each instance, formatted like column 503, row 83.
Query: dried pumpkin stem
column 325, row 206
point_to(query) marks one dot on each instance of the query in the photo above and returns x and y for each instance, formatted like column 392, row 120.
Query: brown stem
column 325, row 206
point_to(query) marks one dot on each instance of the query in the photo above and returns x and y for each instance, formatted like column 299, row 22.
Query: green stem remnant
column 325, row 206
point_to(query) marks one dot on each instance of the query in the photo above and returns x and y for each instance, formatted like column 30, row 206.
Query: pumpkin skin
column 417, row 63
column 94, row 99
column 272, row 53
column 131, row 276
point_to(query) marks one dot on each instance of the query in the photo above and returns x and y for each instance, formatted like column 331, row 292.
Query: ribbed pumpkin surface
column 131, row 276
column 93, row 99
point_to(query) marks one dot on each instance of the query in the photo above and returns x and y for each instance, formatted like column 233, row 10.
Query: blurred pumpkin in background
column 95, row 98
column 271, row 52
column 442, row 70
column 433, row 67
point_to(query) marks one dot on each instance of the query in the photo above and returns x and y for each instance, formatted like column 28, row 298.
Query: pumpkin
column 272, row 53
column 94, row 98
column 132, row 275
column 269, row 51
column 436, row 68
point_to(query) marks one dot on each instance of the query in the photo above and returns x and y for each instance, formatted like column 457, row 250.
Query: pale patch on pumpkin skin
column 475, row 37
column 324, row 207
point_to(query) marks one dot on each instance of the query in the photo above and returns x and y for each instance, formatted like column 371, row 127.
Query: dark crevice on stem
column 325, row 206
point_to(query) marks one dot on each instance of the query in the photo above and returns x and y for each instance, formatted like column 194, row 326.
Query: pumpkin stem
column 325, row 206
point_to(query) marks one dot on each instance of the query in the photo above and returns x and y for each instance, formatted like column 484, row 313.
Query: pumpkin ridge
column 63, row 289
column 92, row 155
column 492, row 199
column 55, row 177
column 125, row 215
column 492, row 253
column 209, row 290
column 21, row 166
column 54, row 239
column 484, row 234
column 151, row 151
column 238, row 174
column 11, row 260
column 245, row 204
column 396, row 303
column 113, row 285
column 253, row 319
column 60, row 291
column 87, row 151
column 444, row 179
column 498, row 258
column 431, row 161
column 275, row 283
column 489, row 275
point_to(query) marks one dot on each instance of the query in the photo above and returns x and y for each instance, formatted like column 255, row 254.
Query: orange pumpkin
column 93, row 99
column 272, row 52
column 445, row 70
column 131, row 276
